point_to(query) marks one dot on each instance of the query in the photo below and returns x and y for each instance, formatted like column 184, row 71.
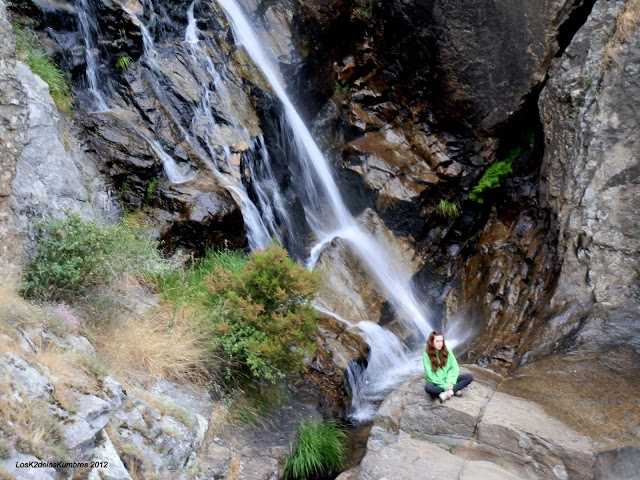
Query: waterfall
column 329, row 218
column 89, row 30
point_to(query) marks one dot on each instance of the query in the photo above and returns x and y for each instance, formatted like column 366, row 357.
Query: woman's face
column 438, row 341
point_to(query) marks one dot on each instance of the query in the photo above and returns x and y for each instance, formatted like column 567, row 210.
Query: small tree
column 265, row 320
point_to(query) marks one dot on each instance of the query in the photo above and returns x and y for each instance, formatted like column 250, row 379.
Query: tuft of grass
column 627, row 22
column 158, row 345
column 449, row 210
column 319, row 451
column 29, row 427
column 123, row 62
column 16, row 313
column 183, row 287
column 150, row 194
column 39, row 62
column 341, row 88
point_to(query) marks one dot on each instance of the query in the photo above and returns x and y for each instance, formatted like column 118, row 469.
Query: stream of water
column 265, row 212
column 389, row 361
column 89, row 30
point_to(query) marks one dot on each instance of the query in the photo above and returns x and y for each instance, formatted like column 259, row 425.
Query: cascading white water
column 389, row 363
column 261, row 225
column 388, row 356
column 89, row 30
column 168, row 163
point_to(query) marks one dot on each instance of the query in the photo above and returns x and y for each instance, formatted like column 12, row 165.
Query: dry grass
column 72, row 375
column 15, row 312
column 157, row 345
column 234, row 471
column 31, row 427
column 627, row 22
column 219, row 420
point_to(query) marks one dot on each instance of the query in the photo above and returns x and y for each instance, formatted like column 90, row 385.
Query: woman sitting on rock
column 441, row 369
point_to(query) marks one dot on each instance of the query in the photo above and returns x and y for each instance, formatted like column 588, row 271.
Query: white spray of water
column 87, row 26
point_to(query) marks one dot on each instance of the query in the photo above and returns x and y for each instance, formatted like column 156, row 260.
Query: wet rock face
column 590, row 181
column 173, row 116
column 424, row 92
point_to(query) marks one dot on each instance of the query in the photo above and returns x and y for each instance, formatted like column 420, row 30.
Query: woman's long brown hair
column 431, row 351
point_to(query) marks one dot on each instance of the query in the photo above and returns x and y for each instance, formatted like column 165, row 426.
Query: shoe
column 458, row 393
column 443, row 397
column 450, row 393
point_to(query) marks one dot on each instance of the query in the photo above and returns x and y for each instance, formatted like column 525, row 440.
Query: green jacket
column 443, row 377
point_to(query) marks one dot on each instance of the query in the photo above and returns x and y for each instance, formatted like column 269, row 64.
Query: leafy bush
column 449, row 210
column 31, row 53
column 72, row 257
column 264, row 320
column 494, row 175
column 320, row 450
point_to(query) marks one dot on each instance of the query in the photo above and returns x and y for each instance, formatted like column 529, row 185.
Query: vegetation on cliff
column 39, row 62
column 253, row 312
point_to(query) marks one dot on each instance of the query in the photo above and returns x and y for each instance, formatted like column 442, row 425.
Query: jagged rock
column 326, row 379
column 350, row 289
column 106, row 452
column 114, row 392
column 206, row 216
column 388, row 166
column 52, row 176
column 24, row 379
column 347, row 290
column 589, row 179
column 80, row 430
column 483, row 424
column 409, row 458
column 612, row 419
column 619, row 463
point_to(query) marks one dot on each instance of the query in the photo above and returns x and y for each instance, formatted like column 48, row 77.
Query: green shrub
column 264, row 321
column 493, row 176
column 72, row 257
column 320, row 450
column 31, row 53
column 150, row 194
column 449, row 210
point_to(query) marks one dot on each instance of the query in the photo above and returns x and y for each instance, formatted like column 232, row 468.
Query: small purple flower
column 72, row 321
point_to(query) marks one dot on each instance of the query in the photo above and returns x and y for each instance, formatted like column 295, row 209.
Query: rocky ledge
column 483, row 434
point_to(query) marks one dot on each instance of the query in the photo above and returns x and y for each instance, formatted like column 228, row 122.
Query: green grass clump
column 39, row 62
column 188, row 286
column 494, row 175
column 73, row 257
column 449, row 210
column 320, row 450
column 123, row 63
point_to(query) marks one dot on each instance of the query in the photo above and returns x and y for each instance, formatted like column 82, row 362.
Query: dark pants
column 463, row 381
